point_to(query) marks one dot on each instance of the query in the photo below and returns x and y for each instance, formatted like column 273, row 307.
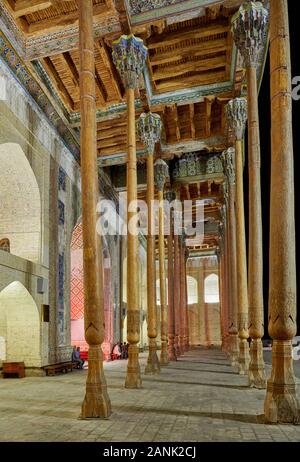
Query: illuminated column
column 170, row 196
column 249, row 29
column 237, row 117
column 182, row 316
column 176, row 289
column 223, row 258
column 161, row 173
column 281, row 404
column 228, row 160
column 129, row 56
column 187, row 334
column 96, row 402
column 149, row 129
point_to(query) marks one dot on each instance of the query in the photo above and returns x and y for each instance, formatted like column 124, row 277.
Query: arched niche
column 20, row 211
column 20, row 326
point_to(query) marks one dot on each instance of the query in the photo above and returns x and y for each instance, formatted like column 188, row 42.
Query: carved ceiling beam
column 64, row 20
column 24, row 7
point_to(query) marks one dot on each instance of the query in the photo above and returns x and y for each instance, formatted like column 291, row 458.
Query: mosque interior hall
column 148, row 284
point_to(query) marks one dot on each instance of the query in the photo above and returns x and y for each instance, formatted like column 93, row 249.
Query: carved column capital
column 170, row 196
column 129, row 56
column 228, row 162
column 237, row 116
column 249, row 26
column 161, row 173
column 149, row 128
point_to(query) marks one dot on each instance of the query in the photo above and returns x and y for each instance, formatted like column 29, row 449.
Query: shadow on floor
column 245, row 418
column 218, row 385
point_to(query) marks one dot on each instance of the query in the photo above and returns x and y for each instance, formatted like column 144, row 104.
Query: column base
column 133, row 376
column 257, row 375
column 234, row 350
column 281, row 403
column 96, row 403
column 186, row 344
column 153, row 366
column 244, row 357
column 164, row 360
column 171, row 350
column 182, row 345
column 177, row 351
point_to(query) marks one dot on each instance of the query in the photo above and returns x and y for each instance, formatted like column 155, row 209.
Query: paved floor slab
column 198, row 398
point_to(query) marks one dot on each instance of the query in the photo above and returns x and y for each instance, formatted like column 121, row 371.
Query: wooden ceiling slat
column 197, row 50
column 190, row 66
column 198, row 79
column 61, row 88
column 168, row 38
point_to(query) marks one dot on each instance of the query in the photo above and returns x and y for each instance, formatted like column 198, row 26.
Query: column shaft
column 162, row 278
column 232, row 277
column 171, row 313
column 153, row 366
column 182, row 299
column 177, row 293
column 133, row 377
column 241, row 264
column 281, row 404
column 255, row 269
column 187, row 335
column 96, row 402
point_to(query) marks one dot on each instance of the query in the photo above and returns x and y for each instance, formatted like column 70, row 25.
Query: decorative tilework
column 61, row 213
column 62, row 176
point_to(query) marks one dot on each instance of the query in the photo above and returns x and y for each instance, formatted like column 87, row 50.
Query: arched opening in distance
column 211, row 289
column 77, row 294
column 20, row 326
column 20, row 211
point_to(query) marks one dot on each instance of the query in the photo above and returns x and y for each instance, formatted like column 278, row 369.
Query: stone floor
column 198, row 398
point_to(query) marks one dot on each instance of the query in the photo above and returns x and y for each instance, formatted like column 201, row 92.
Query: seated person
column 117, row 352
column 76, row 357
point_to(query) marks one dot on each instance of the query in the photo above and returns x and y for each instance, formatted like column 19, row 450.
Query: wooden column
column 149, row 130
column 170, row 197
column 153, row 366
column 182, row 317
column 249, row 27
column 129, row 55
column 177, row 293
column 187, row 334
column 228, row 158
column 133, row 377
column 96, row 402
column 161, row 173
column 257, row 376
column 281, row 404
column 237, row 116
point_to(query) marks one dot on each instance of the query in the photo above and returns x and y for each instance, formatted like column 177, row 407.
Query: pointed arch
column 20, row 211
